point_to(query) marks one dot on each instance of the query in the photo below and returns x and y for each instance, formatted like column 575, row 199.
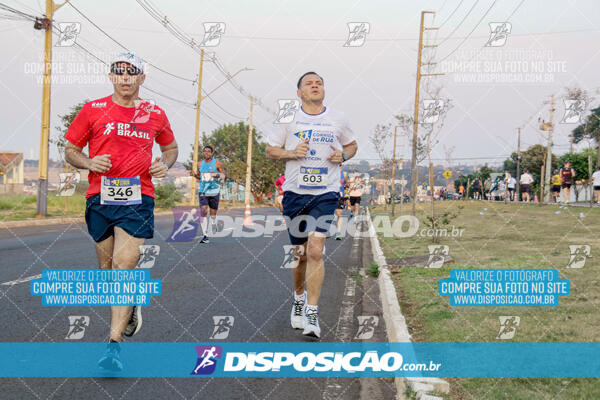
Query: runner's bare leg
column 299, row 273
column 126, row 254
column 315, row 267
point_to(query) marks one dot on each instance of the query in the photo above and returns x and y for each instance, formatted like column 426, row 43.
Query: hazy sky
column 551, row 45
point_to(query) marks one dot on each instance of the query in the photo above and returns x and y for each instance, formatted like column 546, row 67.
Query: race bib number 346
column 120, row 191
column 312, row 178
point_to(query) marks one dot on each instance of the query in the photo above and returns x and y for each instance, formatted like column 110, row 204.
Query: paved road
column 239, row 277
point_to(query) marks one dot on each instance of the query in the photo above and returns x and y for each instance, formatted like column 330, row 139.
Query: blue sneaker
column 111, row 361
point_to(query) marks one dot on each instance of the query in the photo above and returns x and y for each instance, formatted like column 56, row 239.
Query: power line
column 450, row 16
column 16, row 12
column 189, row 41
column 89, row 53
column 126, row 49
column 460, row 23
column 472, row 30
column 507, row 20
column 372, row 39
column 224, row 110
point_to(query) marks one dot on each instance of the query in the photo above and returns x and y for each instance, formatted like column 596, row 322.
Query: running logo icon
column 437, row 255
column 143, row 109
column 574, row 109
column 68, row 33
column 366, row 326
column 290, row 260
column 186, row 222
column 499, row 32
column 223, row 324
column 212, row 33
column 68, row 182
column 207, row 359
column 579, row 254
column 148, row 255
column 508, row 327
column 77, row 325
column 357, row 33
column 108, row 128
column 431, row 110
column 304, row 135
column 287, row 110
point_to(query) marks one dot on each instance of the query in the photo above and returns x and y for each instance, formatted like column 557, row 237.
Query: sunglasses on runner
column 120, row 70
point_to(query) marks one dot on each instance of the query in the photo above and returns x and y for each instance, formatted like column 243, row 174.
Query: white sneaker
column 311, row 324
column 297, row 315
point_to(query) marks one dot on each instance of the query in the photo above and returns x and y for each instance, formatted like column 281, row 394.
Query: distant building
column 11, row 173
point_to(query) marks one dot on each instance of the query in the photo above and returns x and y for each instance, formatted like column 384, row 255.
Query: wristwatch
column 166, row 165
column 344, row 157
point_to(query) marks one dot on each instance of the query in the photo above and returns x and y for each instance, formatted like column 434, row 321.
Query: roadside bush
column 166, row 196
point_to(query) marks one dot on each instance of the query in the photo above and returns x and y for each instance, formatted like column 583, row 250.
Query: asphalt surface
column 238, row 277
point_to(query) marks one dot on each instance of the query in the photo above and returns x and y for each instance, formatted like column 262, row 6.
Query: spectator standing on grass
column 476, row 189
column 487, row 187
column 501, row 189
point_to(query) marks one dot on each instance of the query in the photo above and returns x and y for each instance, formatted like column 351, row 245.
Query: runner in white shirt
column 511, row 184
column 526, row 181
column 596, row 183
column 312, row 146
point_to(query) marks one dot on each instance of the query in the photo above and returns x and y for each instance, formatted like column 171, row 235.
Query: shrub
column 166, row 195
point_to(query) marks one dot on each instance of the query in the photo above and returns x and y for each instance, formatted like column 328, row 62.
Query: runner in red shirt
column 120, row 131
column 278, row 184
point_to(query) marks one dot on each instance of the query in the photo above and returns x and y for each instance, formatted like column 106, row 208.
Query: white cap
column 129, row 58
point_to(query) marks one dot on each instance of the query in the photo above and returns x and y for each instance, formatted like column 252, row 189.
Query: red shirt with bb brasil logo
column 126, row 133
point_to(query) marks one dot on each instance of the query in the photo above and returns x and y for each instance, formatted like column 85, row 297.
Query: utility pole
column 518, row 177
column 413, row 168
column 193, row 198
column 571, row 149
column 394, row 171
column 42, row 192
column 549, row 127
column 247, row 214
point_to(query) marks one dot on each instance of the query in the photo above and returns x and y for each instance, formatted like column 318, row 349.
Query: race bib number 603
column 312, row 178
column 120, row 191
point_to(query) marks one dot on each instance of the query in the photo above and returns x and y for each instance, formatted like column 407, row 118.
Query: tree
column 579, row 162
column 60, row 141
column 532, row 159
column 589, row 129
column 230, row 143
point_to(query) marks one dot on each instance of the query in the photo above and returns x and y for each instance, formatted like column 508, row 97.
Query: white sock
column 311, row 309
column 213, row 225
column 298, row 297
column 204, row 225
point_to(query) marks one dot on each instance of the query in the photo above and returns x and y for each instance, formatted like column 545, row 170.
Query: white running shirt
column 596, row 178
column 313, row 174
column 526, row 179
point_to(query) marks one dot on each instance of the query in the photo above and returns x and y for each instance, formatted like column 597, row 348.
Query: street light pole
column 394, row 171
column 247, row 214
column 193, row 198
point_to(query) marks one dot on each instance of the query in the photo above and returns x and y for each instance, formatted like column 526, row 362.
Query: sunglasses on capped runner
column 120, row 70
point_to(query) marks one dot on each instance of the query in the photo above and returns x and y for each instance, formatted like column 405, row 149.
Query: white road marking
column 22, row 280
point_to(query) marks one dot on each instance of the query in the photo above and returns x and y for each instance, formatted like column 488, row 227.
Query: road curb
column 52, row 221
column 397, row 330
